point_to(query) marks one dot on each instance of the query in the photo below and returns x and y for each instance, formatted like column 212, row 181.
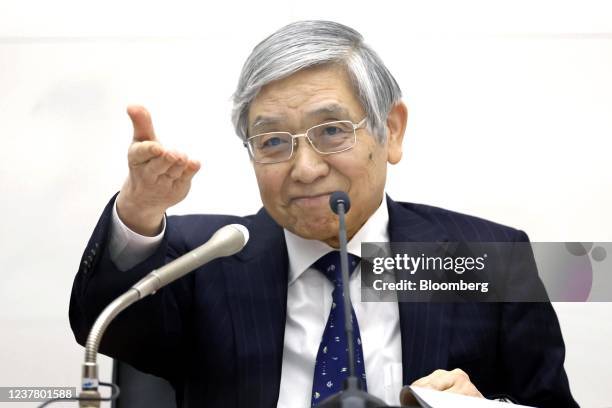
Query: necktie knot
column 329, row 265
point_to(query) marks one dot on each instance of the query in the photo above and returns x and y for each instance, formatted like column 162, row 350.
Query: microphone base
column 92, row 399
column 351, row 397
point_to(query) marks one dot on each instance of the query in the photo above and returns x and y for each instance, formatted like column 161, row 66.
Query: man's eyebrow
column 261, row 121
column 334, row 109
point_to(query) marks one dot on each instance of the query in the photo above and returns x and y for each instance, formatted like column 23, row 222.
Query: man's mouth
column 311, row 201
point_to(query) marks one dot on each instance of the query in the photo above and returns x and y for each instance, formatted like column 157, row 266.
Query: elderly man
column 318, row 112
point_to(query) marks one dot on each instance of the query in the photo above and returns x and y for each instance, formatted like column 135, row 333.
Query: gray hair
column 306, row 44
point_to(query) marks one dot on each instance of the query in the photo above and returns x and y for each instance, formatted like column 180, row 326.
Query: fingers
column 438, row 380
column 191, row 169
column 180, row 167
column 176, row 170
column 456, row 381
column 160, row 164
column 142, row 123
column 167, row 166
column 143, row 152
column 181, row 174
column 466, row 388
column 462, row 384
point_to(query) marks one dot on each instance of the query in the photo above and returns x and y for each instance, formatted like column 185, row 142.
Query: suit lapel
column 425, row 327
column 256, row 282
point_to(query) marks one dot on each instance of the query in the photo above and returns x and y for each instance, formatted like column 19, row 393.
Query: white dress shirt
column 308, row 305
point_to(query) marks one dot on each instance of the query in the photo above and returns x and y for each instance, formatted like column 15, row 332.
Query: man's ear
column 396, row 126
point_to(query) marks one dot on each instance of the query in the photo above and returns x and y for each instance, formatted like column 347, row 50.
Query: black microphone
column 352, row 395
column 340, row 204
column 337, row 198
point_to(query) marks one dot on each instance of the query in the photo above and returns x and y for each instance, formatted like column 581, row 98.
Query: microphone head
column 243, row 231
column 229, row 239
column 338, row 197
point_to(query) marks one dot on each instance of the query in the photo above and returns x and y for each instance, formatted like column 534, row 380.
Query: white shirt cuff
column 128, row 248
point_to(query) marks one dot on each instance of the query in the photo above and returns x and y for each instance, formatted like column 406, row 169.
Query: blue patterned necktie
column 331, row 367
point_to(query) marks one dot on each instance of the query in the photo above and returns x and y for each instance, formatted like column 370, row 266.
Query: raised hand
column 158, row 178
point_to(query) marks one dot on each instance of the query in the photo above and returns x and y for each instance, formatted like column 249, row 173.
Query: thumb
column 142, row 123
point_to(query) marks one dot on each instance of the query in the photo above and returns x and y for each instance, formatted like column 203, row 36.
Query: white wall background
column 510, row 119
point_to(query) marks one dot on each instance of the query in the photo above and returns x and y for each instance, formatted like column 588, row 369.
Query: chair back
column 140, row 390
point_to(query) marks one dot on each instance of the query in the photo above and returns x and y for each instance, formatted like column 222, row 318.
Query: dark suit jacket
column 217, row 334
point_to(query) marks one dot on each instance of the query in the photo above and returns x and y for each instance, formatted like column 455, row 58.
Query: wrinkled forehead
column 314, row 94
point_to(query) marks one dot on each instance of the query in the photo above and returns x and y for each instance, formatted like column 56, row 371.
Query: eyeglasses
column 326, row 138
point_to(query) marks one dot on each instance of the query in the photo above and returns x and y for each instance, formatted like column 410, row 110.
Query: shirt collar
column 304, row 252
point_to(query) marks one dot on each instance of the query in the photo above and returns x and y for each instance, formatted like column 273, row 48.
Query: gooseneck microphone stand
column 352, row 394
column 225, row 242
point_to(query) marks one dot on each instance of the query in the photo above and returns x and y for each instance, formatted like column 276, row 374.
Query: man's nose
column 308, row 165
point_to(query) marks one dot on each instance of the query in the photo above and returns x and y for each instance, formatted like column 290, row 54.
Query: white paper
column 429, row 398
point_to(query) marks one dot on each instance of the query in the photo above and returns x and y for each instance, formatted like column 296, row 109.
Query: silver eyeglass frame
column 356, row 126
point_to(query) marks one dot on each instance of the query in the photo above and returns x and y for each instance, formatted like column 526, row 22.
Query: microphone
column 226, row 241
column 352, row 396
column 337, row 198
column 340, row 204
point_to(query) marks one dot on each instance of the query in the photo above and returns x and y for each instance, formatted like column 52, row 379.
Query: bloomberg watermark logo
column 423, row 263
column 486, row 271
